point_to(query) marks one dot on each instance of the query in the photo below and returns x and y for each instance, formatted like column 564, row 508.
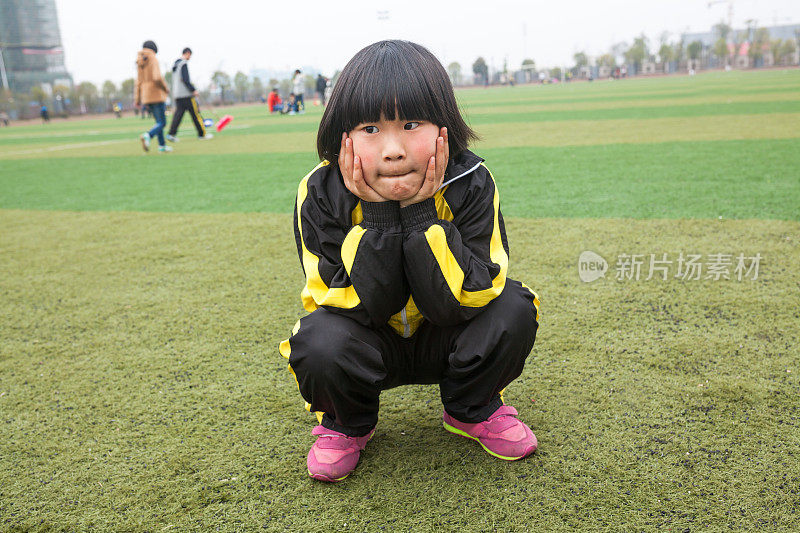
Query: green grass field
column 143, row 298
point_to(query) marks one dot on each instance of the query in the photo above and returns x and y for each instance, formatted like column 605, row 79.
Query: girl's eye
column 370, row 129
column 410, row 125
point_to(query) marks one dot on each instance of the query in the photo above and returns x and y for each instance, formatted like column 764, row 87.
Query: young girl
column 405, row 255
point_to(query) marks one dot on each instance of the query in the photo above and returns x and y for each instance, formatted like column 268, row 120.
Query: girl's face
column 394, row 154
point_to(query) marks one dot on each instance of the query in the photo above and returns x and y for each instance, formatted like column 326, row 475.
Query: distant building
column 585, row 72
column 648, row 67
column 741, row 58
column 789, row 31
column 31, row 53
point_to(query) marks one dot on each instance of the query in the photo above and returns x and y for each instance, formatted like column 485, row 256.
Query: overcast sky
column 101, row 38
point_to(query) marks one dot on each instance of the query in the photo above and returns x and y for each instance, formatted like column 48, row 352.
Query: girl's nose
column 393, row 150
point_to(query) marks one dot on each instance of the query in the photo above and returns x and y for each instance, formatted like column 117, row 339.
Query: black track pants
column 341, row 366
column 181, row 106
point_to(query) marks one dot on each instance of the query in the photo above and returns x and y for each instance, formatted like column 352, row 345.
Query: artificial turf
column 142, row 387
column 709, row 179
column 143, row 298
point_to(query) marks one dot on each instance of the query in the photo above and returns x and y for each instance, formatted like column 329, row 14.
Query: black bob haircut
column 392, row 78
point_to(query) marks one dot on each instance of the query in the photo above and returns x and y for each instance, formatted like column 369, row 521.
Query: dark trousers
column 159, row 114
column 341, row 366
column 183, row 105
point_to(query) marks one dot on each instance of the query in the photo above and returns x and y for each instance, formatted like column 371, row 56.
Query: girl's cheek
column 361, row 149
column 425, row 142
column 424, row 149
column 367, row 161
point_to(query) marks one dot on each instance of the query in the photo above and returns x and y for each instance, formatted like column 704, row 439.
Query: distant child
column 274, row 102
column 290, row 106
column 405, row 256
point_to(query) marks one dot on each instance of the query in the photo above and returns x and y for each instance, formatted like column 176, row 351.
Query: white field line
column 72, row 146
column 64, row 147
column 50, row 134
column 91, row 133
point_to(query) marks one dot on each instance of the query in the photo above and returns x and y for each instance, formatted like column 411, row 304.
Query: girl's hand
column 350, row 167
column 434, row 175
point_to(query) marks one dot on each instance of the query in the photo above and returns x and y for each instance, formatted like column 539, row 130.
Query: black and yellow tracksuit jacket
column 441, row 260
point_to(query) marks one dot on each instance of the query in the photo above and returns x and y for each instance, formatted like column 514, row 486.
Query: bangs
column 393, row 87
column 396, row 80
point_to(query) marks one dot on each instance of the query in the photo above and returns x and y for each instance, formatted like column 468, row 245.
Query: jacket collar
column 457, row 168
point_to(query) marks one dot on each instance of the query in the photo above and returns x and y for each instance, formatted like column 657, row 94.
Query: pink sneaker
column 502, row 435
column 334, row 455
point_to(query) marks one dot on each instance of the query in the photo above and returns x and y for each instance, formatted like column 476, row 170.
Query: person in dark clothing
column 322, row 84
column 185, row 95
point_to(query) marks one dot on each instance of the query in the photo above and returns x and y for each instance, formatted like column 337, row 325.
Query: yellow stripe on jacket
column 316, row 293
column 451, row 270
column 407, row 325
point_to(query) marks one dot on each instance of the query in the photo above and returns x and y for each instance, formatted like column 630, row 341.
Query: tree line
column 86, row 97
column 750, row 48
column 753, row 47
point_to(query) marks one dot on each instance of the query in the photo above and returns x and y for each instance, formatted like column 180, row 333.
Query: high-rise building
column 30, row 46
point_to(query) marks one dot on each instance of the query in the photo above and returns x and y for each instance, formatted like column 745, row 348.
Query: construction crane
column 730, row 9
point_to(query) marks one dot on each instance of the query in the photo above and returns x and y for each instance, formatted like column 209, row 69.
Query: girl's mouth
column 395, row 175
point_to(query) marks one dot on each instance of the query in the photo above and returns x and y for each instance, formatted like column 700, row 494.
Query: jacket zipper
column 406, row 327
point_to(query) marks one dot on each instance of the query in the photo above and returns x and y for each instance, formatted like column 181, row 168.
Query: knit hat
column 151, row 45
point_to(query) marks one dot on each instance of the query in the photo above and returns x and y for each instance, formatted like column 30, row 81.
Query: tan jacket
column 150, row 85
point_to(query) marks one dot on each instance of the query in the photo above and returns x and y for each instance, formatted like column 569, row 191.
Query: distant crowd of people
column 151, row 93
column 295, row 102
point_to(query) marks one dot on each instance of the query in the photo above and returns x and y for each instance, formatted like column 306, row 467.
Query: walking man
column 151, row 91
column 185, row 96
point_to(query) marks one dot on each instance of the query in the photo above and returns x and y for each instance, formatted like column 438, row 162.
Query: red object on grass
column 224, row 121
